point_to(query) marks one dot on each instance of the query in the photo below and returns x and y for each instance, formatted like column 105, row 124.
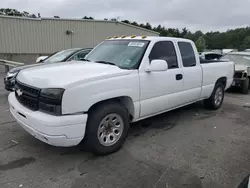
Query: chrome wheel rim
column 110, row 129
column 218, row 96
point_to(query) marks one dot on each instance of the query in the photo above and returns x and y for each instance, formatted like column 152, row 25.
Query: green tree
column 169, row 35
column 14, row 12
column 88, row 18
column 135, row 23
column 113, row 19
column 200, row 44
column 148, row 26
column 126, row 21
column 197, row 35
column 184, row 32
column 142, row 25
column 246, row 43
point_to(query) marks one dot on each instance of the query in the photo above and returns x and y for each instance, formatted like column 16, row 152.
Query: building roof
column 77, row 19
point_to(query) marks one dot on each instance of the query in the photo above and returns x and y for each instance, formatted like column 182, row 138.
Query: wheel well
column 222, row 80
column 125, row 101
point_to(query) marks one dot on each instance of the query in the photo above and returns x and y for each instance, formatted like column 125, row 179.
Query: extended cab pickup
column 122, row 80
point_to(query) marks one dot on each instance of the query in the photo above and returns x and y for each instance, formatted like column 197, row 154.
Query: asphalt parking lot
column 189, row 147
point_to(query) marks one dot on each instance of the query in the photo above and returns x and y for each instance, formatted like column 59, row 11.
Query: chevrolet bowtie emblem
column 19, row 92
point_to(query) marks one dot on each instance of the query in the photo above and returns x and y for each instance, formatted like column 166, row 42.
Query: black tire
column 96, row 115
column 210, row 102
column 245, row 86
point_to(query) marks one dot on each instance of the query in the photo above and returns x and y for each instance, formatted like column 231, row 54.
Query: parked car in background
column 61, row 56
column 40, row 59
column 125, row 80
column 242, row 69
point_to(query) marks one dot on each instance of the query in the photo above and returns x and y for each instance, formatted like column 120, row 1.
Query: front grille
column 238, row 75
column 27, row 95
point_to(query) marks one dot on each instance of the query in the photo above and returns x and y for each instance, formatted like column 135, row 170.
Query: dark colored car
column 77, row 54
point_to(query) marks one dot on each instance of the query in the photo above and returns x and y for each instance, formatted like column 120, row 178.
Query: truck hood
column 239, row 67
column 67, row 74
column 17, row 69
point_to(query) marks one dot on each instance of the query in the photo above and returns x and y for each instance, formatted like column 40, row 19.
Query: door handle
column 178, row 76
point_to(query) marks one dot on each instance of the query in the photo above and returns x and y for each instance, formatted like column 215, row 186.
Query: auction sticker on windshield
column 136, row 44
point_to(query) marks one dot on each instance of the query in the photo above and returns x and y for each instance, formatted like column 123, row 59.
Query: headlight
column 52, row 93
column 50, row 100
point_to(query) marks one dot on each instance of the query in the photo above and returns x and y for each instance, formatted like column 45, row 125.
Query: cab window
column 187, row 54
column 164, row 50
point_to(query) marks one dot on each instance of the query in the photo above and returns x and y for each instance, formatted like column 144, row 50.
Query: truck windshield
column 125, row 54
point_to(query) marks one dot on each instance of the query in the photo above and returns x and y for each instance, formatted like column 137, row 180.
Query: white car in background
column 242, row 69
column 60, row 56
column 41, row 58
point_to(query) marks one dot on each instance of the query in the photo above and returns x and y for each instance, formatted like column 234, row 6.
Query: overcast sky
column 205, row 15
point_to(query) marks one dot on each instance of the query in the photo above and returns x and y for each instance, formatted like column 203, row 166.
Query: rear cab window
column 187, row 54
column 164, row 50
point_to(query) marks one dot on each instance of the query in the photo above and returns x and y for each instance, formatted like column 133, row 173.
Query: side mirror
column 157, row 65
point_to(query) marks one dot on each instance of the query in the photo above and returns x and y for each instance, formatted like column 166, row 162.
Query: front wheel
column 215, row 101
column 107, row 128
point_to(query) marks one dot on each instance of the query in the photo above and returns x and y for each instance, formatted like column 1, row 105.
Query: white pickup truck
column 122, row 80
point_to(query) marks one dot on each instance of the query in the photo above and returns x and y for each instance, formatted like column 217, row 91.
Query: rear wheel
column 107, row 128
column 245, row 86
column 215, row 101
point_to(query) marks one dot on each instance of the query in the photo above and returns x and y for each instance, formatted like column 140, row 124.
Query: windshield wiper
column 106, row 62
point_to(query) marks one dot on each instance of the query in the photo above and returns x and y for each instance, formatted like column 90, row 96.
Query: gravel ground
column 189, row 147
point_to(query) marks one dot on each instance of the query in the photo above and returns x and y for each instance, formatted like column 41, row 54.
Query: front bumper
column 65, row 131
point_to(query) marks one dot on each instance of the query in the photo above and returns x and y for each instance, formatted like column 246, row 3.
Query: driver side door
column 161, row 91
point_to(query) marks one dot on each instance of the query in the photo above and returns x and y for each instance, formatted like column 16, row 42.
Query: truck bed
column 212, row 70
